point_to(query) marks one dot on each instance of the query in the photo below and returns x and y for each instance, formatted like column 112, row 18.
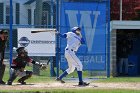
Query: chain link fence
column 36, row 14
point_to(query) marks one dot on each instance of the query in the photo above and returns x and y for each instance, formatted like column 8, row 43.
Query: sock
column 63, row 75
column 80, row 76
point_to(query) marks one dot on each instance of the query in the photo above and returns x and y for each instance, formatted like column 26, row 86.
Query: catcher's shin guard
column 2, row 70
column 22, row 80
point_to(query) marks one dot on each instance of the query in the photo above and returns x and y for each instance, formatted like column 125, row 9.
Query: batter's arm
column 62, row 35
column 82, row 41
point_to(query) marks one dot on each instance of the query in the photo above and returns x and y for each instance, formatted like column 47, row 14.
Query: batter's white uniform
column 73, row 43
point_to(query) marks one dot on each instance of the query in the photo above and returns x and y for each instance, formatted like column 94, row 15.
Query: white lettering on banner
column 89, row 26
column 24, row 41
column 42, row 42
column 89, row 59
column 86, row 22
column 72, row 17
column 63, row 58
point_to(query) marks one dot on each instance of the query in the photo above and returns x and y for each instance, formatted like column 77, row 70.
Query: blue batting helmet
column 75, row 28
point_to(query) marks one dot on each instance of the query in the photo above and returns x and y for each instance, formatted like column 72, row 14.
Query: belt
column 69, row 49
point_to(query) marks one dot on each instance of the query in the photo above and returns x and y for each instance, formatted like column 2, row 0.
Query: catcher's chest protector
column 21, row 62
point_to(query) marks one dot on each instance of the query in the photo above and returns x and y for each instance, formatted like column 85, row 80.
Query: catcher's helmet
column 22, row 50
column 75, row 28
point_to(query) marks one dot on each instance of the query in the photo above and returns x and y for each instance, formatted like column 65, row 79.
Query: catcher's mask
column 22, row 51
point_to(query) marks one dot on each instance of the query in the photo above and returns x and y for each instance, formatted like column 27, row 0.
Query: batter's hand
column 80, row 35
column 57, row 32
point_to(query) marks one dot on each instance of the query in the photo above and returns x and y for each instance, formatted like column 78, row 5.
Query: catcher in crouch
column 18, row 66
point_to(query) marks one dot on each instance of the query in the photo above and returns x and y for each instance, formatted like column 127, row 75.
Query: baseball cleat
column 57, row 79
column 9, row 83
column 83, row 84
column 22, row 82
column 2, row 82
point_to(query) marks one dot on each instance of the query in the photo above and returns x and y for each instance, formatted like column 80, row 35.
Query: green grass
column 74, row 91
column 45, row 77
column 120, row 79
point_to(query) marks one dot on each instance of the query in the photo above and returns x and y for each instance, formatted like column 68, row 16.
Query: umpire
column 3, row 40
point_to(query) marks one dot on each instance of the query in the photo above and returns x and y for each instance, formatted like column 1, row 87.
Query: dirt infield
column 57, row 85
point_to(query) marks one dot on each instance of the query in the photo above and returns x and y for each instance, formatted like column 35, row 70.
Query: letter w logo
column 86, row 21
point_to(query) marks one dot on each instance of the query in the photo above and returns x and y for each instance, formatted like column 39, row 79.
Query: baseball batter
column 74, row 40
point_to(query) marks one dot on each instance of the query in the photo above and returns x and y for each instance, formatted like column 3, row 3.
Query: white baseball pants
column 73, row 61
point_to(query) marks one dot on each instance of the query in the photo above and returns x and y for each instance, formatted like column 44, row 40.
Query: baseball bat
column 45, row 30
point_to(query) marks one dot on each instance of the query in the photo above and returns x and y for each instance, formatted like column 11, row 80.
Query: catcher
column 18, row 66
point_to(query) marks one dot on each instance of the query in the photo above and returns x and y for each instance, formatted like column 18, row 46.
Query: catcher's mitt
column 43, row 66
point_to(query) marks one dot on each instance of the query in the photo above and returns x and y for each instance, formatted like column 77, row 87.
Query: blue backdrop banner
column 91, row 17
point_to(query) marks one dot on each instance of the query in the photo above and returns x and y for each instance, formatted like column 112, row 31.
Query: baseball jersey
column 73, row 41
column 20, row 62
